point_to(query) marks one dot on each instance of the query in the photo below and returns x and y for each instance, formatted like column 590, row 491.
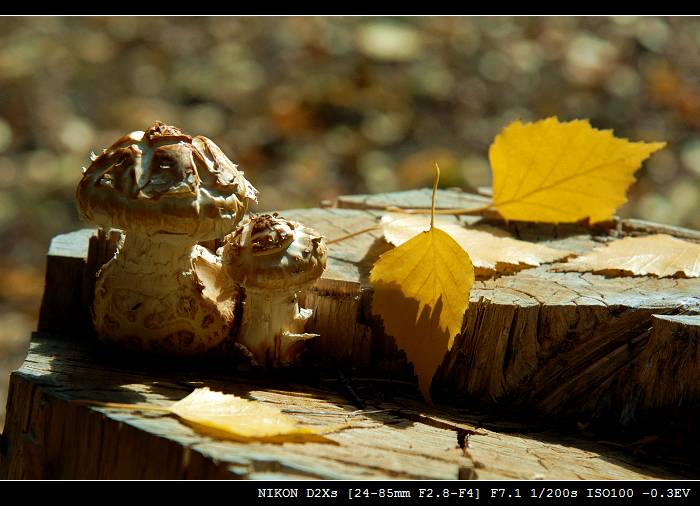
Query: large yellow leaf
column 658, row 255
column 227, row 416
column 489, row 253
column 421, row 291
column 555, row 172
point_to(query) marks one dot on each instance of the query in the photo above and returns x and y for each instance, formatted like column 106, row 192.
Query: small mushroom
column 166, row 191
column 273, row 259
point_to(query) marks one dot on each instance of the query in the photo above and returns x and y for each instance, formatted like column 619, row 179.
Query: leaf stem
column 433, row 211
column 473, row 211
column 435, row 185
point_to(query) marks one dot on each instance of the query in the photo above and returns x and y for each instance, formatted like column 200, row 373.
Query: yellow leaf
column 421, row 291
column 658, row 255
column 555, row 172
column 488, row 252
column 227, row 416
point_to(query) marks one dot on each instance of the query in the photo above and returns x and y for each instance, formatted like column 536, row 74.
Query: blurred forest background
column 315, row 107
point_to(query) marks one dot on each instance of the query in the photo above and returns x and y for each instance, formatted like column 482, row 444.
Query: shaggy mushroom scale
column 166, row 191
column 273, row 259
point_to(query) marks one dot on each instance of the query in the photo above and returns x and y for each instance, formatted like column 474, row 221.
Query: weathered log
column 50, row 436
column 557, row 343
column 669, row 366
column 537, row 341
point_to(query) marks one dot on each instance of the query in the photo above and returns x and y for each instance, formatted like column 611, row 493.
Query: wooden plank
column 48, row 436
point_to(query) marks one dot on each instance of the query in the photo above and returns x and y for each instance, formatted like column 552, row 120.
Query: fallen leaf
column 489, row 253
column 421, row 291
column 548, row 171
column 229, row 417
column 658, row 255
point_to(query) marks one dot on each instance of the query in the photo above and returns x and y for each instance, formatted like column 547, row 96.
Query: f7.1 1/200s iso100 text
column 580, row 491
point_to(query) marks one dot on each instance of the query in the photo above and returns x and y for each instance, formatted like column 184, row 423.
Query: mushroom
column 166, row 191
column 273, row 259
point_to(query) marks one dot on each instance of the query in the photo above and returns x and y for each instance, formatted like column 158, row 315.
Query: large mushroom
column 166, row 191
column 273, row 259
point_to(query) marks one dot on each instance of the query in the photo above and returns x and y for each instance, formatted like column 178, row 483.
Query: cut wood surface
column 557, row 343
column 50, row 435
column 554, row 345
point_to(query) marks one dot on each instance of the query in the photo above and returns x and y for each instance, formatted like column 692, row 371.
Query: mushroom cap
column 162, row 181
column 272, row 253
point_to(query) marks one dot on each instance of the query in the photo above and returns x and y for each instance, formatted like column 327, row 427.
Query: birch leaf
column 421, row 291
column 658, row 255
column 229, row 417
column 489, row 253
column 555, row 172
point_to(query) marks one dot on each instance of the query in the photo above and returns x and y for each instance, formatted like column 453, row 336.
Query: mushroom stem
column 273, row 326
column 149, row 289
column 169, row 256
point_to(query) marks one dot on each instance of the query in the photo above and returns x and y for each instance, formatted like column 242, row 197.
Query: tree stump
column 554, row 345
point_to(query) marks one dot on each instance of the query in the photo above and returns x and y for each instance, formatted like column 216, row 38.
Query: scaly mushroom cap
column 270, row 252
column 162, row 181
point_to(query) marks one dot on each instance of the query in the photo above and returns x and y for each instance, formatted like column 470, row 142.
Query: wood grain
column 557, row 343
column 50, row 436
column 563, row 347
